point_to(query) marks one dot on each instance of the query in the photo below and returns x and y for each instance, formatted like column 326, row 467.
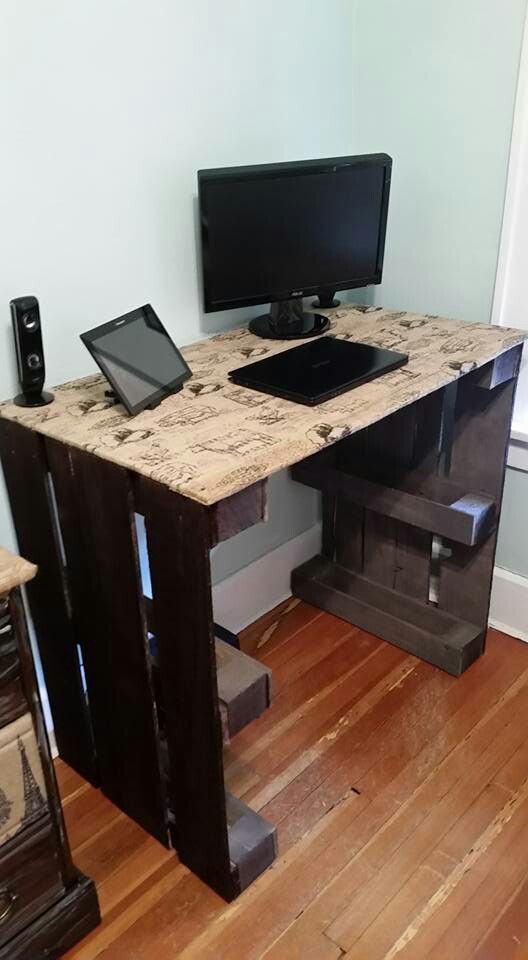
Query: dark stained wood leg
column 481, row 430
column 96, row 511
column 27, row 480
column 178, row 532
column 436, row 467
column 227, row 855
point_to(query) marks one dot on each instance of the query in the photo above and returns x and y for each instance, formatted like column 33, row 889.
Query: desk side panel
column 26, row 474
column 96, row 511
column 178, row 537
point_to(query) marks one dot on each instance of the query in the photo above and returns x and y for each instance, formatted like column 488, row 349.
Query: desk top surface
column 214, row 438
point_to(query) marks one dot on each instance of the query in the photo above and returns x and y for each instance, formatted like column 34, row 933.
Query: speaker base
column 33, row 400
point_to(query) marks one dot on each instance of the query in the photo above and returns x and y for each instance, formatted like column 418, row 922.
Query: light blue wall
column 107, row 111
column 512, row 548
column 434, row 85
column 122, row 103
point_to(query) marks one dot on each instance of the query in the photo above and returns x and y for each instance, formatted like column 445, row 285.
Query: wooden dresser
column 46, row 905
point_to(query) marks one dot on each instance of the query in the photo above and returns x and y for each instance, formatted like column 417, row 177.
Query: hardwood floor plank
column 494, row 685
column 338, row 704
column 277, row 627
column 298, row 776
column 141, row 899
column 440, row 766
column 420, row 833
column 401, row 910
column 508, row 934
column 466, row 904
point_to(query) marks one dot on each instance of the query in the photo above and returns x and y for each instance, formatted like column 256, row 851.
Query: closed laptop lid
column 316, row 371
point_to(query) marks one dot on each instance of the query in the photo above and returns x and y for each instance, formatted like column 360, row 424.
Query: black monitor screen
column 138, row 357
column 271, row 235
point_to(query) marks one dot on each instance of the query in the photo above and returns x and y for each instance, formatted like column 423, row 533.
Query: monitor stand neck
column 287, row 321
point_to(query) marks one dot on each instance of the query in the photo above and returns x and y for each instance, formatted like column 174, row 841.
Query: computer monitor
column 275, row 233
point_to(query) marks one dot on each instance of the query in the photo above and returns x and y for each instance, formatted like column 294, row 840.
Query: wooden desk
column 406, row 463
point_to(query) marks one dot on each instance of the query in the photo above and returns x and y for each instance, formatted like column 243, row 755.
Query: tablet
column 138, row 358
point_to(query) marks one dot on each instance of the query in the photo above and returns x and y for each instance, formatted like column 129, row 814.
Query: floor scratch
column 458, row 873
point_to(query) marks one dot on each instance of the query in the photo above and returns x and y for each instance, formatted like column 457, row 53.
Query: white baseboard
column 257, row 588
column 509, row 603
column 251, row 592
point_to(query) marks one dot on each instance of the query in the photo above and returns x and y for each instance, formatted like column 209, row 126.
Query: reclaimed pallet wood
column 466, row 520
column 178, row 538
column 481, row 430
column 432, row 634
column 96, row 514
column 26, row 474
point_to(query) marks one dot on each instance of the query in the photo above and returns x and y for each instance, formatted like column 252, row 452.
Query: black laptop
column 319, row 370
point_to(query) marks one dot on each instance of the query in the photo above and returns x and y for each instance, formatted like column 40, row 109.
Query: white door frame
column 510, row 300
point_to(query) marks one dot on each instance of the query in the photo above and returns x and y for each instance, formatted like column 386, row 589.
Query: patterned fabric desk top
column 213, row 439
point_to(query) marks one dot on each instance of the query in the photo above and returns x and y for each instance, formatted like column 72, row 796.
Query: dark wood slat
column 26, row 474
column 178, row 536
column 244, row 687
column 328, row 513
column 412, row 561
column 97, row 518
column 482, row 425
column 447, row 642
column 467, row 519
column 234, row 514
column 505, row 367
column 379, row 548
column 252, row 841
column 349, row 518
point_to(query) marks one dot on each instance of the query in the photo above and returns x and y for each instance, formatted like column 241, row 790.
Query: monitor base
column 325, row 301
column 287, row 321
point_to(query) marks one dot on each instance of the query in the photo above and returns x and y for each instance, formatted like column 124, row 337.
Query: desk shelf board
column 244, row 686
column 418, row 628
column 465, row 520
column 434, row 468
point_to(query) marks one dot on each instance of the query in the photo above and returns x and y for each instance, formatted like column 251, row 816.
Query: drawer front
column 23, row 799
column 30, row 878
column 12, row 699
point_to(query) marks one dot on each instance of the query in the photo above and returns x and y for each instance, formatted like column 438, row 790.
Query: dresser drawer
column 30, row 878
column 12, row 699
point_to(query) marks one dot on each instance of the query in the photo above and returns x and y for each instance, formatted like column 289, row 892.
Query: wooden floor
column 401, row 800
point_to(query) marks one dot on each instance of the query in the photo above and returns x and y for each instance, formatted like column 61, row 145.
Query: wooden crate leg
column 178, row 531
column 96, row 510
column 481, row 431
column 27, row 480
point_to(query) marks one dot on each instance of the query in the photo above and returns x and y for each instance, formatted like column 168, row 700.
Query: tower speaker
column 25, row 314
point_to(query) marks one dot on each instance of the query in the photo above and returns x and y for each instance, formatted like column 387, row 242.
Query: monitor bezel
column 329, row 165
column 90, row 338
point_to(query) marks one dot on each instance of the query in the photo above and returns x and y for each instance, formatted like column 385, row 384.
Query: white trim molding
column 510, row 299
column 509, row 603
column 246, row 595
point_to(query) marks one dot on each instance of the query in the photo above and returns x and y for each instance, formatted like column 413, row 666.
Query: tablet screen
column 138, row 357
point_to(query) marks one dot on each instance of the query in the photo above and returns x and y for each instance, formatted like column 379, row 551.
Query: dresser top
column 214, row 438
column 14, row 571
